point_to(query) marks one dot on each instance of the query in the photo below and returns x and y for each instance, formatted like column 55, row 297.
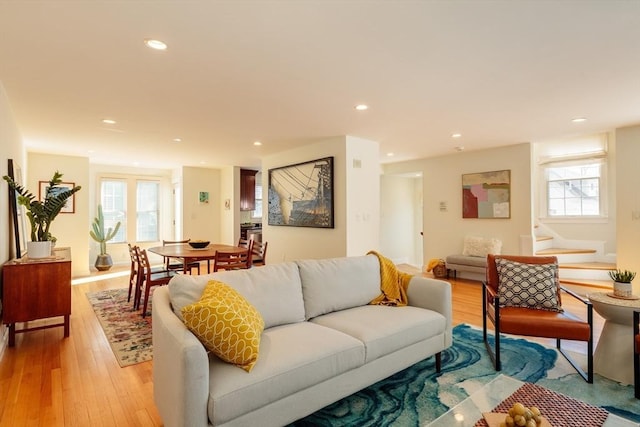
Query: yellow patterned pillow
column 226, row 324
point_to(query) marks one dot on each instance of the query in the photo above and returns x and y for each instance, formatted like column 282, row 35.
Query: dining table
column 189, row 254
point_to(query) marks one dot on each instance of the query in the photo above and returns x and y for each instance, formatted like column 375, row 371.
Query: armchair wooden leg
column 438, row 362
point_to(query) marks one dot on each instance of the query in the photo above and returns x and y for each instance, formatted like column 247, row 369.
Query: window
column 113, row 196
column 116, row 207
column 572, row 178
column 147, row 209
column 574, row 189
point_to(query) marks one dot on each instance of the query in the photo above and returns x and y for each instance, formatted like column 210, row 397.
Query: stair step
column 589, row 265
column 561, row 251
column 600, row 284
column 543, row 238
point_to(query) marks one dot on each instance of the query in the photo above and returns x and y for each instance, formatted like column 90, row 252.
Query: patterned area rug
column 129, row 335
column 418, row 395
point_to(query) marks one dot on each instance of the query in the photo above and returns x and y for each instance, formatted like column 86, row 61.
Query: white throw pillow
column 480, row 246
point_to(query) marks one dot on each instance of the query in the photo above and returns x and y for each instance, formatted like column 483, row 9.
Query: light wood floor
column 46, row 380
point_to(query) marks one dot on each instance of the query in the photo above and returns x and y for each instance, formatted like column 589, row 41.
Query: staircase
column 583, row 264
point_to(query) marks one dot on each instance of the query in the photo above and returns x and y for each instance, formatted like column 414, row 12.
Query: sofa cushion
column 226, row 324
column 385, row 329
column 480, row 246
column 274, row 290
column 336, row 284
column 293, row 357
column 528, row 285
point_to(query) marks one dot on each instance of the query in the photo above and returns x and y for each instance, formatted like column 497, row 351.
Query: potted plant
column 42, row 213
column 103, row 260
column 622, row 282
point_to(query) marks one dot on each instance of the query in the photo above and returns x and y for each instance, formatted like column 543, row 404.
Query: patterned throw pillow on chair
column 528, row 285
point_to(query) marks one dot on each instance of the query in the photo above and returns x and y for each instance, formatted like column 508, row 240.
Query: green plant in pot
column 42, row 213
column 622, row 282
column 98, row 233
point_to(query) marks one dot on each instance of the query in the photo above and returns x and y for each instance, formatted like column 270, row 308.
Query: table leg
column 613, row 357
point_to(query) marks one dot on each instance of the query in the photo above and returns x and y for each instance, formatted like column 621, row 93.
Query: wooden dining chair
column 150, row 279
column 133, row 274
column 248, row 245
column 259, row 253
column 231, row 260
column 171, row 264
column 636, row 353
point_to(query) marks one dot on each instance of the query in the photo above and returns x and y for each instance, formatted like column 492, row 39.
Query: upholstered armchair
column 522, row 296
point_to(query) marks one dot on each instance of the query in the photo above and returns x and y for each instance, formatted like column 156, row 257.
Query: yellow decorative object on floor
column 226, row 324
column 393, row 283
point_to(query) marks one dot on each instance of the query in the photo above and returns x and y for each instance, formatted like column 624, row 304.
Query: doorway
column 401, row 218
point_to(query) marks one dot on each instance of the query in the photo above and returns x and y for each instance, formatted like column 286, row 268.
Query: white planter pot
column 621, row 289
column 39, row 249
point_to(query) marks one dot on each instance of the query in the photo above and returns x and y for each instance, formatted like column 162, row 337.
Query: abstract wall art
column 486, row 194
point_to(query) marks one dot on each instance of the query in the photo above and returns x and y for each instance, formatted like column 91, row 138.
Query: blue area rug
column 419, row 395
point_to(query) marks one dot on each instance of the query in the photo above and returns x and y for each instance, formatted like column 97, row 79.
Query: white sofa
column 321, row 342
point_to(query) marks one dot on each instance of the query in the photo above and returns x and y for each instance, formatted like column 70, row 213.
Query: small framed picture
column 203, row 197
column 44, row 190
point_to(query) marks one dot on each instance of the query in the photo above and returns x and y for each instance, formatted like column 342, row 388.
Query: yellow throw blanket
column 393, row 283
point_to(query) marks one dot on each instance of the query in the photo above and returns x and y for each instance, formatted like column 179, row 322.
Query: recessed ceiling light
column 177, row 140
column 579, row 120
column 203, row 162
column 155, row 44
column 257, row 143
column 456, row 135
column 109, row 121
column 361, row 107
column 390, row 154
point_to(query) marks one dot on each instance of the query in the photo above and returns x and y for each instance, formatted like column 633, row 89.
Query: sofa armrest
column 434, row 295
column 180, row 367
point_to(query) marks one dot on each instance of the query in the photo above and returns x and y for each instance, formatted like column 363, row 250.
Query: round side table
column 613, row 357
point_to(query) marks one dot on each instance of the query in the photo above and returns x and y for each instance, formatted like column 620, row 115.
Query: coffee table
column 469, row 411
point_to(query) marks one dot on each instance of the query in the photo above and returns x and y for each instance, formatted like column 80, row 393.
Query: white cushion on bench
column 481, row 247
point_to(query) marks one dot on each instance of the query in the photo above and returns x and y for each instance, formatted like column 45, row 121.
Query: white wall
column 444, row 232
column 230, row 218
column 10, row 148
column 362, row 170
column 628, row 201
column 67, row 227
column 360, row 212
column 201, row 221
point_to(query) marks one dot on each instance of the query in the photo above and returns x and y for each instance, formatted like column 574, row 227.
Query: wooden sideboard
column 37, row 289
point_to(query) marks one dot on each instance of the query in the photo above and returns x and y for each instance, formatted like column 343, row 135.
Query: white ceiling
column 290, row 72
